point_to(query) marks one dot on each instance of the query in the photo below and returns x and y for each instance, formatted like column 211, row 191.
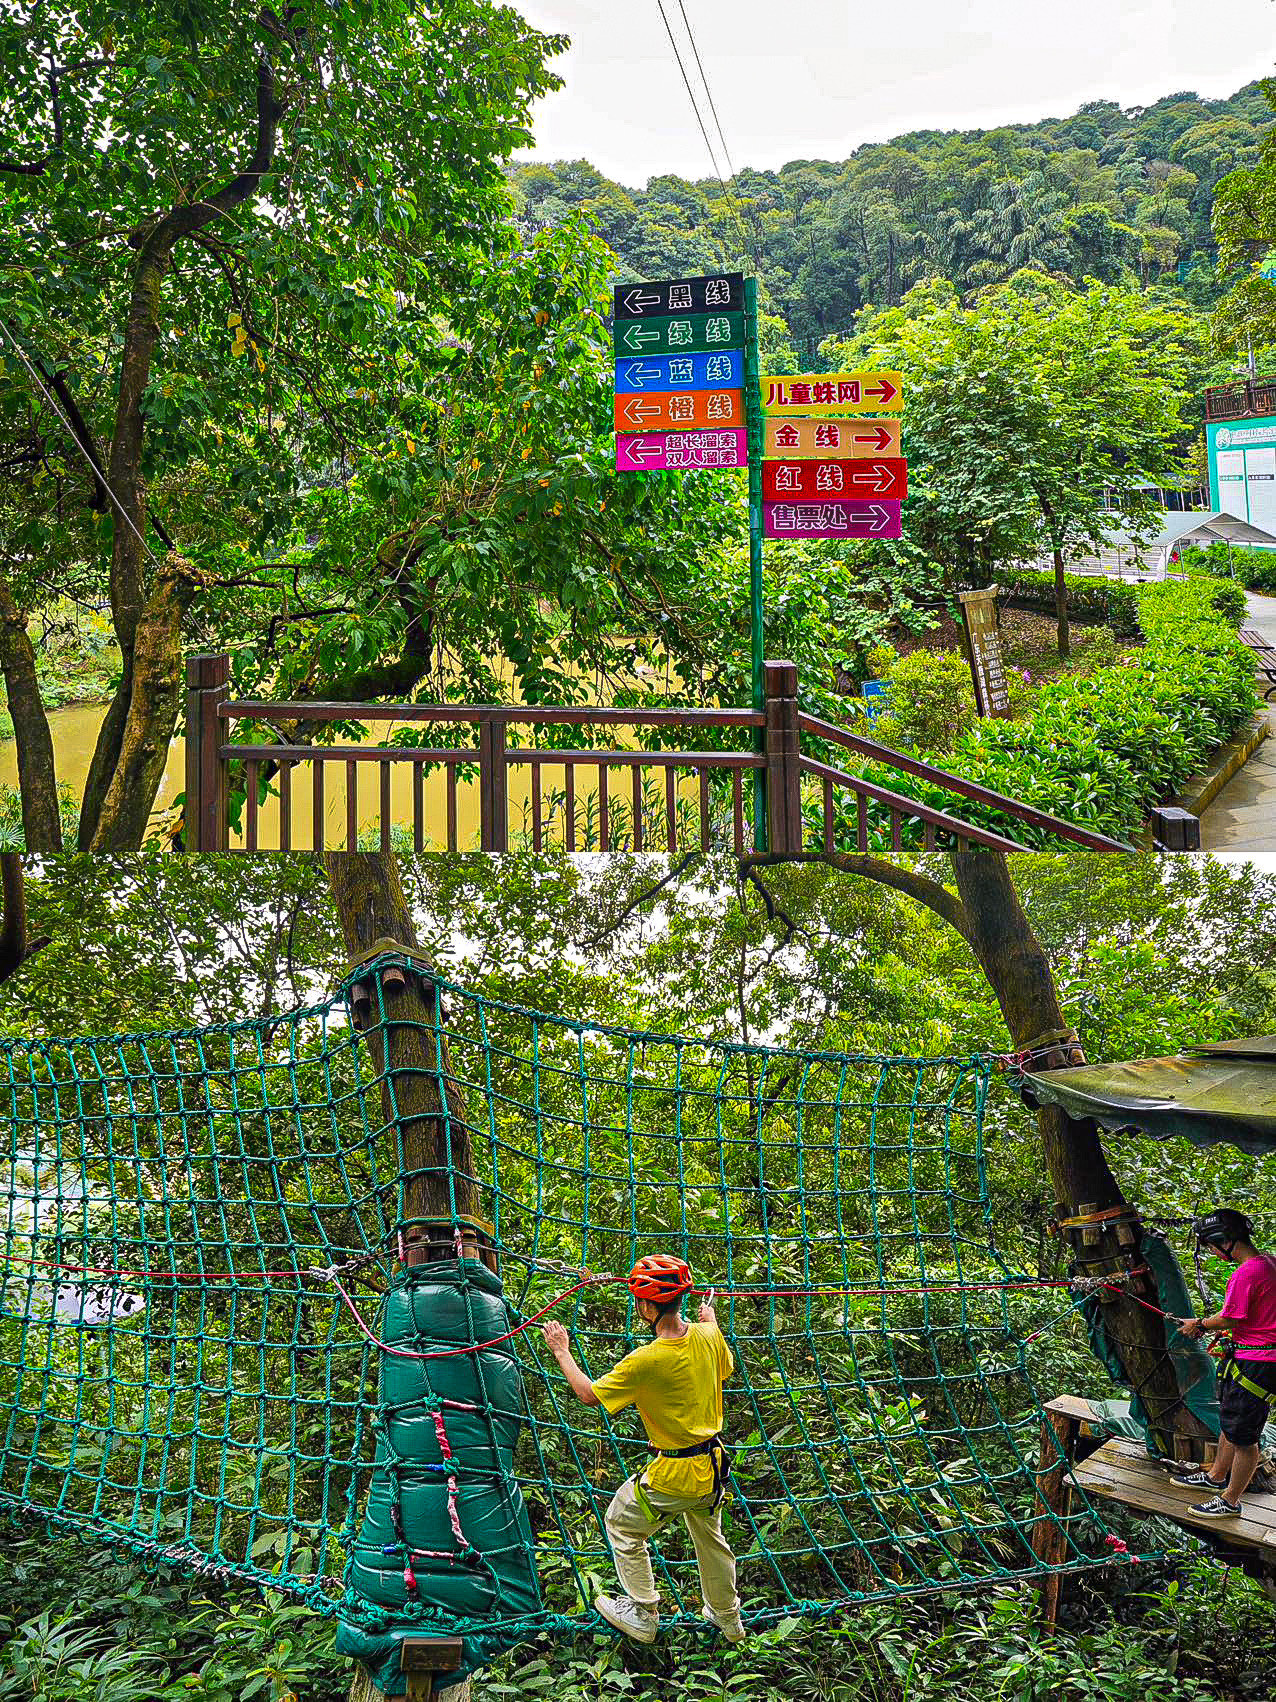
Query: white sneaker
column 636, row 1619
column 732, row 1629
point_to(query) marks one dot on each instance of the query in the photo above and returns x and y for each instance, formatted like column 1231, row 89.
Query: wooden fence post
column 1059, row 1430
column 207, row 686
column 493, row 786
column 783, row 756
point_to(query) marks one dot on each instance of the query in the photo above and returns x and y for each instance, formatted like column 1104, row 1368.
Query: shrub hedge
column 1103, row 749
column 1254, row 569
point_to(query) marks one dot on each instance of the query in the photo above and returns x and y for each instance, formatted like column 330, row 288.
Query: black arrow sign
column 721, row 294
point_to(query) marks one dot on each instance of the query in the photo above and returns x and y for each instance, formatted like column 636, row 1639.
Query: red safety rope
column 332, row 1275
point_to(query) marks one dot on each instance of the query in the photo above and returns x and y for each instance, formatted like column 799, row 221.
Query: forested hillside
column 1107, row 193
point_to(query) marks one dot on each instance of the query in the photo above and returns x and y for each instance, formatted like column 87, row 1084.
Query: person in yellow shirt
column 675, row 1381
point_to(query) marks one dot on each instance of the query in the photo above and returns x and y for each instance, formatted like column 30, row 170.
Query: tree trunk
column 133, row 741
column 420, row 1098
column 1061, row 605
column 137, row 756
column 37, row 775
column 16, row 944
column 1011, row 956
column 371, row 906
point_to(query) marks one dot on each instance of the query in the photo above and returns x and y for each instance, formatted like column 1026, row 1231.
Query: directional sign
column 679, row 410
column 721, row 294
column 644, row 373
column 834, row 393
column 987, row 666
column 822, row 440
column 787, row 481
column 681, row 451
column 832, row 519
column 679, row 336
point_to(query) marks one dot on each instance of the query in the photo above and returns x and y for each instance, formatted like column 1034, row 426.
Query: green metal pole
column 753, row 419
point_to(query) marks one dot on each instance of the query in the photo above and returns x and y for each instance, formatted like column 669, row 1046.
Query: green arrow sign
column 698, row 333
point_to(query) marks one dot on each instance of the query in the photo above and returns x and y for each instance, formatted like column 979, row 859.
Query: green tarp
column 444, row 1480
column 1222, row 1092
column 1193, row 1366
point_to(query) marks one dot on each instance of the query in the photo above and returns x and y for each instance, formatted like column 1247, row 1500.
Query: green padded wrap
column 1193, row 1365
column 488, row 1574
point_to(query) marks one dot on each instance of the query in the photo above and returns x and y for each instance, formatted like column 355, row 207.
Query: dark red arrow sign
column 791, row 480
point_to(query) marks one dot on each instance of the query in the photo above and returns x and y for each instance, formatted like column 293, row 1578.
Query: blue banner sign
column 717, row 371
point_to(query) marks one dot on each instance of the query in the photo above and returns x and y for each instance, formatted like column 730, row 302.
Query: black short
column 1243, row 1415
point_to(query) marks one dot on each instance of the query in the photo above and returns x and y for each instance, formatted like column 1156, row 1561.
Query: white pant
column 630, row 1523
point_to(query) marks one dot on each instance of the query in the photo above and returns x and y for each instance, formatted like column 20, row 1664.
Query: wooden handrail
column 471, row 714
column 902, row 804
column 950, row 782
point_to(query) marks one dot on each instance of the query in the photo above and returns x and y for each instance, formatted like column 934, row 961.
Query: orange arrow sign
column 831, row 440
column 834, row 393
column 676, row 410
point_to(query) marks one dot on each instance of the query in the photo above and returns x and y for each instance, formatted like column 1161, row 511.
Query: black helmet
column 1223, row 1228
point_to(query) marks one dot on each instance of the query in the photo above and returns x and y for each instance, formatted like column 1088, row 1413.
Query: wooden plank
column 1121, row 1471
column 1071, row 1406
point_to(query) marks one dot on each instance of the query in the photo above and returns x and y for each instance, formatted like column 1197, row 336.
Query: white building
column 1129, row 555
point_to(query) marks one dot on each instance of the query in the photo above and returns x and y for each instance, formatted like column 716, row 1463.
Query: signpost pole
column 754, row 422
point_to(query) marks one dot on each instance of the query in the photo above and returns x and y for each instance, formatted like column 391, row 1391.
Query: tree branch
column 944, row 903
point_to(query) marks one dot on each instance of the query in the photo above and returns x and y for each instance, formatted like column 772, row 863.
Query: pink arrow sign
column 681, row 451
column 832, row 519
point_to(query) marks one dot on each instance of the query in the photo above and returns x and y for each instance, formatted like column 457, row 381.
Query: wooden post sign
column 987, row 668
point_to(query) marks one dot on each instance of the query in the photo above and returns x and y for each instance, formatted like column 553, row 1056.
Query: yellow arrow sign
column 831, row 440
column 834, row 393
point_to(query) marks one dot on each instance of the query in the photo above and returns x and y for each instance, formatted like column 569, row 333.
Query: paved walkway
column 1243, row 816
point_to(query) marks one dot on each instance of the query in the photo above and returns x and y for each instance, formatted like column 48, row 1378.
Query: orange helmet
column 660, row 1277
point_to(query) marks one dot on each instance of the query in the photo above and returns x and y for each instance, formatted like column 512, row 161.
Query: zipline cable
column 70, row 429
column 695, row 107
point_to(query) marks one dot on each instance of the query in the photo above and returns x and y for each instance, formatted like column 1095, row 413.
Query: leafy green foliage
column 1105, row 193
column 1102, row 748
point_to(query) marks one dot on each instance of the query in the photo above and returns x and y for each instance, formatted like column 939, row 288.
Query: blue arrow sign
column 680, row 372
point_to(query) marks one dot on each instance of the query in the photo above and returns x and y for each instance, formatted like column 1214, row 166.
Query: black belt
column 719, row 1452
column 1232, row 1371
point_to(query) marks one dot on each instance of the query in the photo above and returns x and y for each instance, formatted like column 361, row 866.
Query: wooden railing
column 1254, row 398
column 768, row 792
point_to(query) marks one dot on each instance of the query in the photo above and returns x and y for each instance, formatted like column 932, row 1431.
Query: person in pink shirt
column 1247, row 1380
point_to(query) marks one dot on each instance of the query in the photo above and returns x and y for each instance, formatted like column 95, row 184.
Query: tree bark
column 986, row 912
column 1012, row 958
column 16, row 944
column 421, row 1100
column 37, row 773
column 128, row 759
column 146, row 727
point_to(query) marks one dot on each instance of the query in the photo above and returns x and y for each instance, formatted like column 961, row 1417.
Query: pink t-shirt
column 1250, row 1307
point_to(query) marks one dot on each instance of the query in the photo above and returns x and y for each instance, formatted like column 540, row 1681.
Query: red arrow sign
column 790, row 480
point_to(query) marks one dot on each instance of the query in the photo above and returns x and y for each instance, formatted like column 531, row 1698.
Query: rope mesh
column 213, row 1401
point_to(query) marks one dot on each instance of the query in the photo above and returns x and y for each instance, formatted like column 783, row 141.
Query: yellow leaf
column 544, row 484
column 233, row 319
column 558, row 508
column 474, row 463
column 411, row 443
column 542, row 318
column 261, row 365
column 527, row 454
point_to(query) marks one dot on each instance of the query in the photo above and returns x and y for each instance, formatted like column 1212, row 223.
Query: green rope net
column 211, row 1349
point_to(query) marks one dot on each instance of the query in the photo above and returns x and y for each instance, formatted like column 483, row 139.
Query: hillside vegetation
column 1109, row 193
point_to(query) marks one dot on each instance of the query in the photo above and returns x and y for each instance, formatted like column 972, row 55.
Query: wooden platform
column 1121, row 1471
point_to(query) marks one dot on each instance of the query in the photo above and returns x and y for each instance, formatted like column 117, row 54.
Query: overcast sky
column 812, row 79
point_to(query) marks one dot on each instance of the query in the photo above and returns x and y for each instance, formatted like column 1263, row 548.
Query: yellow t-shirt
column 677, row 1387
